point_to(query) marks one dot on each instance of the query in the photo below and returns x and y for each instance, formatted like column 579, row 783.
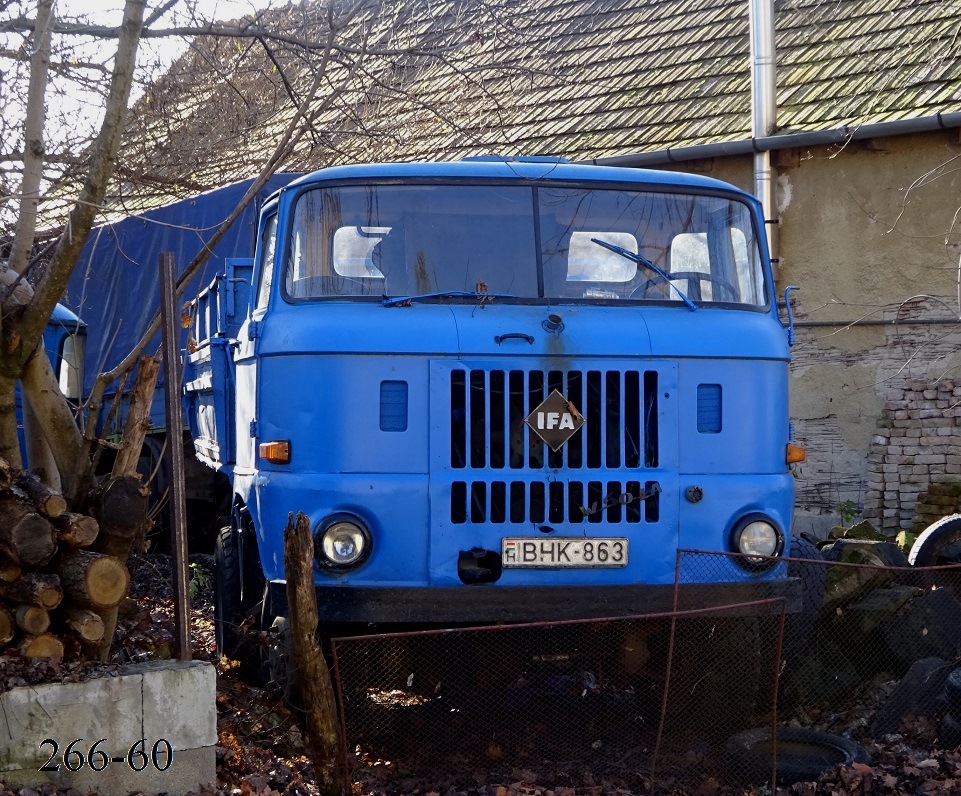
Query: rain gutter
column 773, row 143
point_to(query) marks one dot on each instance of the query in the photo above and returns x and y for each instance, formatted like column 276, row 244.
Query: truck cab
column 501, row 390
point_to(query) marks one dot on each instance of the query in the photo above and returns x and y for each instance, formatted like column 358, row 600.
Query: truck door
column 245, row 359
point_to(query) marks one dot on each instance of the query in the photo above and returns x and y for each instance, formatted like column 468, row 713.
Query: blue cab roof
column 520, row 169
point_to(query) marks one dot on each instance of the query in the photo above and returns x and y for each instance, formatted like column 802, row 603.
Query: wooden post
column 170, row 339
column 323, row 730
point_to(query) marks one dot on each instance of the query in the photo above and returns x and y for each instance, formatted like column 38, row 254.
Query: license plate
column 560, row 552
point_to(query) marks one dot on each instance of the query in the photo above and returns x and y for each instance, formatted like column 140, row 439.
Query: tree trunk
column 33, row 135
column 103, row 159
column 323, row 730
column 93, row 580
column 32, row 619
column 41, row 590
column 42, row 390
column 138, row 417
column 26, row 538
column 87, row 625
column 9, row 439
column 76, row 530
column 45, row 645
column 40, row 459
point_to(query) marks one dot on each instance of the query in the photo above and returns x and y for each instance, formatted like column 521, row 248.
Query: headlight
column 341, row 543
column 757, row 539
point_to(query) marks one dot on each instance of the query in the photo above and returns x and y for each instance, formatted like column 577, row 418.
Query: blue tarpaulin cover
column 115, row 287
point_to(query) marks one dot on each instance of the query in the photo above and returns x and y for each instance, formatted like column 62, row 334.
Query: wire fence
column 691, row 701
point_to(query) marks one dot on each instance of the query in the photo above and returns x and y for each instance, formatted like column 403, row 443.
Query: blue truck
column 501, row 390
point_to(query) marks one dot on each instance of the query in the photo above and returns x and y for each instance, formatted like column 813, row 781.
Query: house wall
column 871, row 234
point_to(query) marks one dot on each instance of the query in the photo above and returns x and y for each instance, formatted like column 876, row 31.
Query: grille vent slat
column 519, row 502
column 488, row 410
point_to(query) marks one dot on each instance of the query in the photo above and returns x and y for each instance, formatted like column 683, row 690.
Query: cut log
column 123, row 504
column 85, row 624
column 33, row 589
column 7, row 625
column 9, row 571
column 121, row 512
column 48, row 502
column 32, row 619
column 26, row 538
column 94, row 580
column 76, row 530
column 45, row 645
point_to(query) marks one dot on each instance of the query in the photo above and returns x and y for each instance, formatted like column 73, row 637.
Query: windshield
column 525, row 242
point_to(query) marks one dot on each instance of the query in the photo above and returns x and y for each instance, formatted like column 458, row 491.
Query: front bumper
column 484, row 603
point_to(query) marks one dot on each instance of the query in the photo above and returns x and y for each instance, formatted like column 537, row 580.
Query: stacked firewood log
column 60, row 578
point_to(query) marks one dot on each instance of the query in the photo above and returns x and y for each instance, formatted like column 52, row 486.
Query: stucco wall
column 865, row 229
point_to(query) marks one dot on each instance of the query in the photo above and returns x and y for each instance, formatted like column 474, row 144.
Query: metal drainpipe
column 764, row 111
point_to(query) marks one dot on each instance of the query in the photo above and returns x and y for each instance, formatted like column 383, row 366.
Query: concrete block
column 162, row 702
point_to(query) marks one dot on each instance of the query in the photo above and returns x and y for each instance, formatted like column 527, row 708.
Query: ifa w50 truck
column 501, row 390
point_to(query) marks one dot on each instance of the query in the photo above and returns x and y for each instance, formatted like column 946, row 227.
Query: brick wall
column 918, row 444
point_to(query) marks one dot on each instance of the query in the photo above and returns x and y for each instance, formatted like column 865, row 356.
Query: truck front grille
column 555, row 502
column 488, row 408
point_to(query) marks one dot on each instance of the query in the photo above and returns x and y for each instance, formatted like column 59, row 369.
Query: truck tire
column 814, row 578
column 228, row 611
column 802, row 755
column 926, row 550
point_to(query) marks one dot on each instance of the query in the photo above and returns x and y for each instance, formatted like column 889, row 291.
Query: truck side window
column 268, row 246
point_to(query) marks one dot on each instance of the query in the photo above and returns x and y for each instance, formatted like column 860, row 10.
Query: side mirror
column 790, row 315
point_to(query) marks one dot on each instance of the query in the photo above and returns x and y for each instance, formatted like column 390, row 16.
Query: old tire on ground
column 802, row 755
column 950, row 735
column 814, row 578
column 926, row 550
column 952, row 693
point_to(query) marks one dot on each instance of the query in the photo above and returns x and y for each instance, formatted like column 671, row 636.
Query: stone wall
column 916, row 449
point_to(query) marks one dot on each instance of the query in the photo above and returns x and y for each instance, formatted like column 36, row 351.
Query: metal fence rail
column 689, row 701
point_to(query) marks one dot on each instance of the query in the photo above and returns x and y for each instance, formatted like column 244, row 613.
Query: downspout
column 764, row 112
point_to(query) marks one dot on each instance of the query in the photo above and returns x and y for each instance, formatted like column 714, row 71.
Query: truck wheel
column 228, row 610
column 278, row 670
column 802, row 755
column 814, row 578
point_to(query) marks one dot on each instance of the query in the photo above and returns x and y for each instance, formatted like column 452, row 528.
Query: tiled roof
column 578, row 78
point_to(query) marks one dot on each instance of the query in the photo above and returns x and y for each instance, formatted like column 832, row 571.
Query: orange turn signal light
column 276, row 451
column 795, row 454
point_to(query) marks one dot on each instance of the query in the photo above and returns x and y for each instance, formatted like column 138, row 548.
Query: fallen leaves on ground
column 262, row 750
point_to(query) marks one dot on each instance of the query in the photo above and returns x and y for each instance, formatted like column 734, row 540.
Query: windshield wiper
column 398, row 301
column 641, row 260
